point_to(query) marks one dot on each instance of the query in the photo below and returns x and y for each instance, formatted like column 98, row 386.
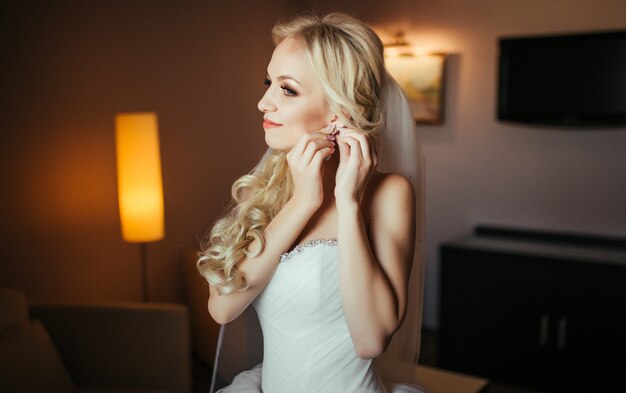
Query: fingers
column 344, row 149
column 318, row 138
column 313, row 147
column 357, row 145
column 308, row 147
column 321, row 155
column 304, row 140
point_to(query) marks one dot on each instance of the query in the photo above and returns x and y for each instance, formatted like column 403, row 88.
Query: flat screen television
column 575, row 79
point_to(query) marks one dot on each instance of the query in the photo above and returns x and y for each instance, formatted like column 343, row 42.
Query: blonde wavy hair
column 347, row 57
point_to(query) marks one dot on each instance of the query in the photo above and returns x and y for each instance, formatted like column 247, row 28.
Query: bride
column 317, row 239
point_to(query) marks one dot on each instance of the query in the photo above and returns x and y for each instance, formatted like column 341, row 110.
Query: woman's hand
column 357, row 162
column 305, row 164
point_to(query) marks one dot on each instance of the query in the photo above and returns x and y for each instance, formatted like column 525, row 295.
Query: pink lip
column 270, row 124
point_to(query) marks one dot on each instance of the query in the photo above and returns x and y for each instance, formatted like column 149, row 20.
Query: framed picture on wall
column 422, row 79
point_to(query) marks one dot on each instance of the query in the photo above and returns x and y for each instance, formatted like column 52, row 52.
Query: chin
column 276, row 144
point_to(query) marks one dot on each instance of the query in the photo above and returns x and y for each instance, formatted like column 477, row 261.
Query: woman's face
column 294, row 103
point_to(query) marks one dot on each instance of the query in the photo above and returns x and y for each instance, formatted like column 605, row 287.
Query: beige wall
column 68, row 68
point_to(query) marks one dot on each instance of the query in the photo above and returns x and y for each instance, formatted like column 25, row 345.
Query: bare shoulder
column 391, row 224
column 388, row 194
column 390, row 187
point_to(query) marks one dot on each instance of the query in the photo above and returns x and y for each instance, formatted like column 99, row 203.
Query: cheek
column 308, row 119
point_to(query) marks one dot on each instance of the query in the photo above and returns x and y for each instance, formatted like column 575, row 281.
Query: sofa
column 106, row 347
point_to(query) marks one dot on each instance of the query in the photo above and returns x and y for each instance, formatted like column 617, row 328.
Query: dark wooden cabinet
column 541, row 310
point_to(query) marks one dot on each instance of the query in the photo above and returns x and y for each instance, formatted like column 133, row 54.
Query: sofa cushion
column 30, row 362
column 13, row 307
column 144, row 345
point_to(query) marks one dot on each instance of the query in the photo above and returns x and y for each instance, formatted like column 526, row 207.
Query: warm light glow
column 421, row 70
column 403, row 51
column 140, row 188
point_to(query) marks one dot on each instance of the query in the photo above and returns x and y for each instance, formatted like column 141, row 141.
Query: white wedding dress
column 307, row 345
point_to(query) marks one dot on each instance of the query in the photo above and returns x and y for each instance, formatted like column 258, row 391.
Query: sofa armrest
column 128, row 345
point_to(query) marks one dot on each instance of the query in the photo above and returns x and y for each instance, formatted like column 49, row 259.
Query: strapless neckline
column 309, row 244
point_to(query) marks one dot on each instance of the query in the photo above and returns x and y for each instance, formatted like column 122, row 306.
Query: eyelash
column 287, row 90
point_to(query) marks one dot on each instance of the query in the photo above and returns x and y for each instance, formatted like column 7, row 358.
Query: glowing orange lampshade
column 140, row 188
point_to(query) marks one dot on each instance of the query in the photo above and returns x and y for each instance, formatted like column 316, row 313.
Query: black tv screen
column 567, row 79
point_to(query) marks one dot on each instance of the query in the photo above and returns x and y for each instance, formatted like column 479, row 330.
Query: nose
column 265, row 103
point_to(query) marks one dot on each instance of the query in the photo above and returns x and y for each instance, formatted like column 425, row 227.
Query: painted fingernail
column 330, row 137
column 330, row 127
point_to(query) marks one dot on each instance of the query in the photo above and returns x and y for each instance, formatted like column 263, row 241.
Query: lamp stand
column 144, row 271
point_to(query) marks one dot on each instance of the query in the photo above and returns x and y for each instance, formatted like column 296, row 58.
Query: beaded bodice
column 301, row 247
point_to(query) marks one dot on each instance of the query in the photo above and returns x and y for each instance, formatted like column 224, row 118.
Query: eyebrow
column 283, row 77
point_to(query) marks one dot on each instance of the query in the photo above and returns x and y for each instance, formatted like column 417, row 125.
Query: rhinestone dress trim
column 301, row 247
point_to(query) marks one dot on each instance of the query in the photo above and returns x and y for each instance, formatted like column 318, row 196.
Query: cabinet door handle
column 561, row 338
column 543, row 329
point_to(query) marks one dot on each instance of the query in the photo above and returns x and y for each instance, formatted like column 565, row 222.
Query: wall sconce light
column 399, row 46
column 140, row 186
column 421, row 74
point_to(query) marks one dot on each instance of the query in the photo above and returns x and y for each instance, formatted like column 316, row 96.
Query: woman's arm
column 280, row 234
column 374, row 271
column 305, row 161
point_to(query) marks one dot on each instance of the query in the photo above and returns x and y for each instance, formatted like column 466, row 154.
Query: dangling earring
column 332, row 127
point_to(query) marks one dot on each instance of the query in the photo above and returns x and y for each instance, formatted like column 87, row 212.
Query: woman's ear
column 344, row 120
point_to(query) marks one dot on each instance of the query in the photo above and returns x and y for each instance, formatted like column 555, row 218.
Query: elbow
column 371, row 348
column 369, row 351
column 219, row 315
column 220, row 319
column 370, row 345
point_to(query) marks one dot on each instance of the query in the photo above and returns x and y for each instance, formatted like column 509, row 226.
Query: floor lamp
column 139, row 183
